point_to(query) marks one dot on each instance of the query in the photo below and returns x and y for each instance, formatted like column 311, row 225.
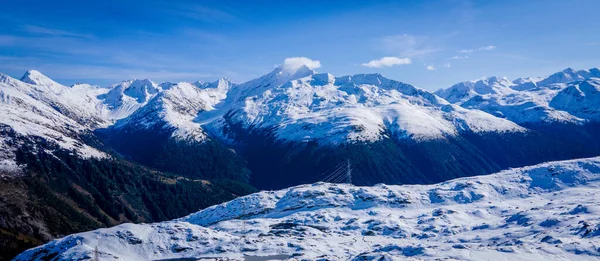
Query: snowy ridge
column 175, row 109
column 543, row 212
column 295, row 103
column 581, row 99
column 361, row 107
column 125, row 98
column 530, row 100
column 22, row 113
column 77, row 102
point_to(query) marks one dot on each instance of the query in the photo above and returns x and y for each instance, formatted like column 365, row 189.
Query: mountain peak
column 279, row 76
column 359, row 79
column 166, row 85
column 37, row 78
column 142, row 82
column 494, row 79
column 595, row 72
column 200, row 84
column 565, row 76
column 222, row 83
column 287, row 73
column 141, row 89
column 295, row 64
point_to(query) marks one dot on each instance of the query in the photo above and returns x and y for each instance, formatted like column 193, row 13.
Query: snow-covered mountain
column 294, row 105
column 43, row 110
column 125, row 98
column 174, row 109
column 281, row 130
column 298, row 104
column 527, row 101
column 581, row 99
column 544, row 212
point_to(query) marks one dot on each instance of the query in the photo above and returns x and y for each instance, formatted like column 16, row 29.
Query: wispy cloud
column 40, row 30
column 407, row 45
column 459, row 57
column 203, row 13
column 483, row 48
column 432, row 67
column 487, row 48
column 7, row 40
column 387, row 62
column 105, row 74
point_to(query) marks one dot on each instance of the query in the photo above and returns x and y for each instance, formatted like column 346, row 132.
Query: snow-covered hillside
column 532, row 100
column 544, row 212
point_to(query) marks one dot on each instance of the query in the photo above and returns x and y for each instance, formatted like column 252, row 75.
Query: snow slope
column 544, row 212
column 528, row 100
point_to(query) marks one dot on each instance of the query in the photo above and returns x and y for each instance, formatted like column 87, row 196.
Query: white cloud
column 387, row 62
column 33, row 29
column 459, row 57
column 430, row 68
column 293, row 63
column 487, row 48
column 447, row 65
column 483, row 48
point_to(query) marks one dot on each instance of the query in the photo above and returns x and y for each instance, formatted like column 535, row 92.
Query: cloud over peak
column 387, row 61
column 293, row 63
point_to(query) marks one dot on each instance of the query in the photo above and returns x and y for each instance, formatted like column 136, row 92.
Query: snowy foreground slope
column 549, row 211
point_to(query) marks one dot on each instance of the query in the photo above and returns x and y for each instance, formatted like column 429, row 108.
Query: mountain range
column 294, row 107
column 123, row 153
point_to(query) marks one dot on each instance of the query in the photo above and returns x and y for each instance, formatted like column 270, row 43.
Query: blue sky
column 430, row 44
